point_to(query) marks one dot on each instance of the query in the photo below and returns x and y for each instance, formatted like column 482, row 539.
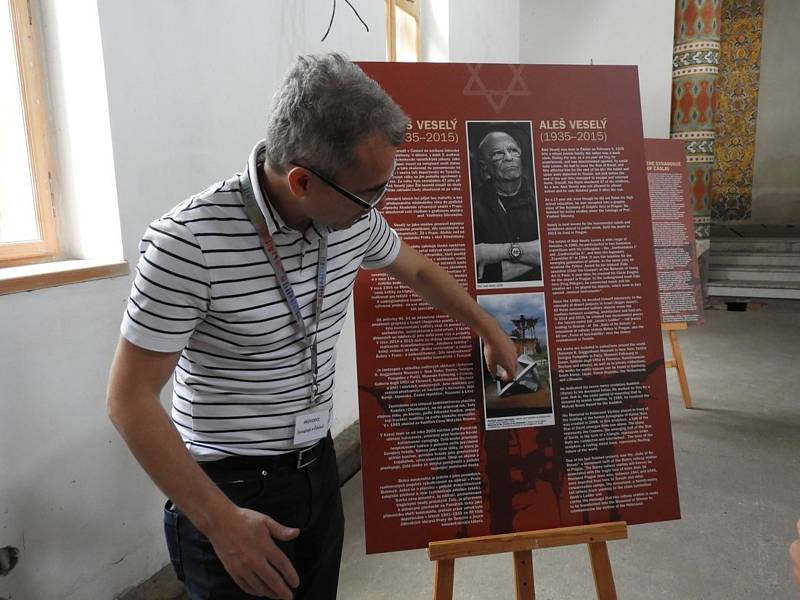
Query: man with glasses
column 504, row 215
column 240, row 295
column 372, row 200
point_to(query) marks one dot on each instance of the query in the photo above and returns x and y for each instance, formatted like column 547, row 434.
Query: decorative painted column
column 737, row 108
column 694, row 72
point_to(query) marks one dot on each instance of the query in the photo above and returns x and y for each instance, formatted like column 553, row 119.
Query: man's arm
column 487, row 254
column 242, row 538
column 440, row 290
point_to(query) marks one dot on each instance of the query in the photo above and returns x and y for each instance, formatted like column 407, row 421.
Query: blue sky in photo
column 505, row 307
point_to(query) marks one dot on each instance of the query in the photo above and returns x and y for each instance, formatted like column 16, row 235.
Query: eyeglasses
column 367, row 205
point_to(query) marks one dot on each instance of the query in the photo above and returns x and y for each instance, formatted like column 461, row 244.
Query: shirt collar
column 254, row 164
column 524, row 188
column 275, row 223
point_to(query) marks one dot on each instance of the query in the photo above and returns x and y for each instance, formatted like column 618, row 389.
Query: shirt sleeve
column 171, row 290
column 384, row 243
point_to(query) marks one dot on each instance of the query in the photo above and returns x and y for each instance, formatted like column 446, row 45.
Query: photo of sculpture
column 527, row 400
column 504, row 214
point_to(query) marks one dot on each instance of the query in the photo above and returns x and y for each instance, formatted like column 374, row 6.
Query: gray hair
column 324, row 108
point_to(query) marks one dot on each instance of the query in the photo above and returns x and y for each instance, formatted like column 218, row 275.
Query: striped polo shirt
column 205, row 287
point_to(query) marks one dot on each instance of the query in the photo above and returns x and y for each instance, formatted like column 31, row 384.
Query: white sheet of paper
column 311, row 426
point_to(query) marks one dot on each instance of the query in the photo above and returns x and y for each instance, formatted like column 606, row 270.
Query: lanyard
column 260, row 224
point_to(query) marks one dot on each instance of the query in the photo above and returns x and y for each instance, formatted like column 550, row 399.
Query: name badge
column 311, row 426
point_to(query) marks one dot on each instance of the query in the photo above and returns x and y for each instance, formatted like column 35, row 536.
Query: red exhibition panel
column 528, row 184
column 679, row 285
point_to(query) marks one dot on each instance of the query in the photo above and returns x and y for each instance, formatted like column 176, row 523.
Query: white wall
column 189, row 82
column 776, row 178
column 611, row 32
column 481, row 31
column 614, row 32
column 435, row 31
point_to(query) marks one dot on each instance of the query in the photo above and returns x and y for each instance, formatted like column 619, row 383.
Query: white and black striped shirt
column 204, row 286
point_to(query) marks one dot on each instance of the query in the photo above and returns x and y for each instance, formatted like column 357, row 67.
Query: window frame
column 30, row 71
column 413, row 9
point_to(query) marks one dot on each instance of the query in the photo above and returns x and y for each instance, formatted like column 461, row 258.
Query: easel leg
column 522, row 544
column 601, row 569
column 676, row 354
column 443, row 579
column 523, row 573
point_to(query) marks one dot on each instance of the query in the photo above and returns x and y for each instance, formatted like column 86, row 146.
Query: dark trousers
column 308, row 498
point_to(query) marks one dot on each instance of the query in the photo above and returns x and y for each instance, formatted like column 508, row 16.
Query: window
column 27, row 221
column 402, row 30
column 88, row 245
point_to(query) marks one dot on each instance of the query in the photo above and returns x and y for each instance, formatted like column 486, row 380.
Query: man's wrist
column 487, row 327
column 214, row 514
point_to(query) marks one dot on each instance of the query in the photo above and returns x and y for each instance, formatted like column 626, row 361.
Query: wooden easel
column 522, row 544
column 676, row 363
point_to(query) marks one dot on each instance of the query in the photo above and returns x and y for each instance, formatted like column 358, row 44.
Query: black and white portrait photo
column 504, row 213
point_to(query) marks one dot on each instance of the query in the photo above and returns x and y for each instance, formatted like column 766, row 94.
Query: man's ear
column 483, row 170
column 298, row 179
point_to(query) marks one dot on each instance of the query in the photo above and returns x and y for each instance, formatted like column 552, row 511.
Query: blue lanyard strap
column 257, row 218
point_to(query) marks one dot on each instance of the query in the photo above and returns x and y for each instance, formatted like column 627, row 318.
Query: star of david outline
column 496, row 98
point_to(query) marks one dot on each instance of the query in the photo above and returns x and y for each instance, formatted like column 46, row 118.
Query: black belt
column 296, row 459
